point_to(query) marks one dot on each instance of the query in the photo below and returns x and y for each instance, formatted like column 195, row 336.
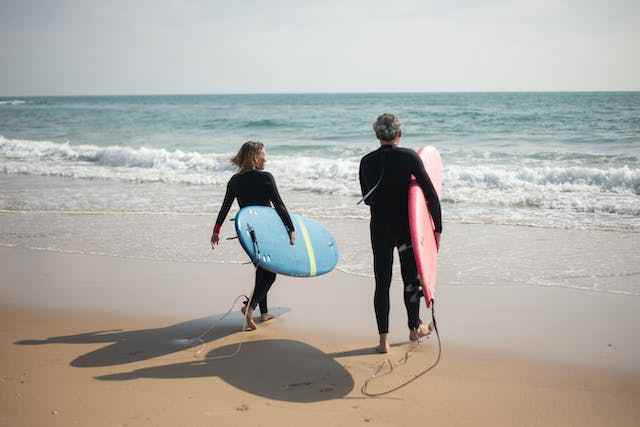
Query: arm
column 281, row 209
column 364, row 188
column 433, row 202
column 224, row 210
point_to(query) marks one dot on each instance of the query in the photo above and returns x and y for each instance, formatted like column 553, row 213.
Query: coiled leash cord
column 403, row 361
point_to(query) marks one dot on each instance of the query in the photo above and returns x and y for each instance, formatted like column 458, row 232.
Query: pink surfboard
column 421, row 225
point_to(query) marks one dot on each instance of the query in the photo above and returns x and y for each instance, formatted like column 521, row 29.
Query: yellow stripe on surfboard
column 313, row 269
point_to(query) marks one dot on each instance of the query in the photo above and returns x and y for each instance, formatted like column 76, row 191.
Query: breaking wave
column 604, row 188
column 13, row 102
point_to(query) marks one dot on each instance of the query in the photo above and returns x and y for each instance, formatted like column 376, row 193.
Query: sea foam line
column 13, row 102
column 336, row 175
column 111, row 255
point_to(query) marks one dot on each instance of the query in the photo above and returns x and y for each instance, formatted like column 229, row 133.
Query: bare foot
column 265, row 317
column 251, row 325
column 248, row 316
column 383, row 347
column 420, row 332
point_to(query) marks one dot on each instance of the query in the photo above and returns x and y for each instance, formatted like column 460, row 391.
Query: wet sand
column 98, row 340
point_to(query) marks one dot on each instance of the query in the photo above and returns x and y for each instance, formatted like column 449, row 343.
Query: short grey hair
column 387, row 127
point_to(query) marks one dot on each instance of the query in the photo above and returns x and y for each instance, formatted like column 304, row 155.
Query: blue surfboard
column 264, row 238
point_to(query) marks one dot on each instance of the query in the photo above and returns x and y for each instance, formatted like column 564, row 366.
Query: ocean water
column 81, row 168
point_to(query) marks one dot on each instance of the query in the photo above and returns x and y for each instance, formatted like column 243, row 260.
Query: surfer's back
column 253, row 188
column 389, row 200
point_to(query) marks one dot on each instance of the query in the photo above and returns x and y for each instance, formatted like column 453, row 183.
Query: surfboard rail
column 423, row 240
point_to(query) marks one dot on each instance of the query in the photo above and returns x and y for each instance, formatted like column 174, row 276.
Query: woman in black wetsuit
column 252, row 186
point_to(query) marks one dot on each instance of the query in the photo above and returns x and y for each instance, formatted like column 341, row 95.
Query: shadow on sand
column 135, row 346
column 277, row 369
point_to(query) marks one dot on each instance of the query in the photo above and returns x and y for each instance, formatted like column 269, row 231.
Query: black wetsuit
column 256, row 188
column 390, row 224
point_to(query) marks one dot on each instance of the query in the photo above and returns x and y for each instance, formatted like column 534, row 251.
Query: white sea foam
column 555, row 178
column 317, row 175
column 112, row 156
column 45, row 158
column 12, row 102
column 607, row 189
column 142, row 164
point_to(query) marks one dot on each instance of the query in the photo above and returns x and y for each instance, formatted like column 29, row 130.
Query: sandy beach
column 100, row 340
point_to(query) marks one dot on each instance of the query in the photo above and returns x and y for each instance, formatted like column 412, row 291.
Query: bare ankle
column 248, row 317
column 421, row 331
column 383, row 346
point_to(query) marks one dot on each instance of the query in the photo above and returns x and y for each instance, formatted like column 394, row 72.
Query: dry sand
column 100, row 341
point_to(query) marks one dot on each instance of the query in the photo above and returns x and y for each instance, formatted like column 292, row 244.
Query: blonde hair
column 246, row 157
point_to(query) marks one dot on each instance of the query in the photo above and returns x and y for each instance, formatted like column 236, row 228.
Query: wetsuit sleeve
column 281, row 209
column 229, row 197
column 433, row 202
column 364, row 188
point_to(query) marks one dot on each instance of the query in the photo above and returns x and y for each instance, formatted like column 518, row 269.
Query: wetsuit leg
column 263, row 282
column 411, row 283
column 264, row 308
column 382, row 267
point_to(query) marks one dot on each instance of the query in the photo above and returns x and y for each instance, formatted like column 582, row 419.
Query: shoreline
column 486, row 255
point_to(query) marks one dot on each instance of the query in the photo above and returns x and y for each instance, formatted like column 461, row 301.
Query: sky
column 87, row 47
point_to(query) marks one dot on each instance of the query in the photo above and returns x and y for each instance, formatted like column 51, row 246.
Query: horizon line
column 124, row 94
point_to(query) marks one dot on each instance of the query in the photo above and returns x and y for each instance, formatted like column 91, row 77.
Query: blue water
column 566, row 160
column 598, row 122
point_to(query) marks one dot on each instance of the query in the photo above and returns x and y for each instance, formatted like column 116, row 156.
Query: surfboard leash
column 237, row 350
column 201, row 337
column 403, row 361
column 215, row 323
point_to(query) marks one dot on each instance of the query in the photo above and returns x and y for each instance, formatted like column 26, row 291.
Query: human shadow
column 138, row 345
column 278, row 369
column 368, row 351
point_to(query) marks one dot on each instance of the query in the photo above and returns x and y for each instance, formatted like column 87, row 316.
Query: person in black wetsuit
column 252, row 186
column 384, row 180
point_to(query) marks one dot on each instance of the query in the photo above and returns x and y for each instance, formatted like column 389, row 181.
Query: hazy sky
column 238, row 46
